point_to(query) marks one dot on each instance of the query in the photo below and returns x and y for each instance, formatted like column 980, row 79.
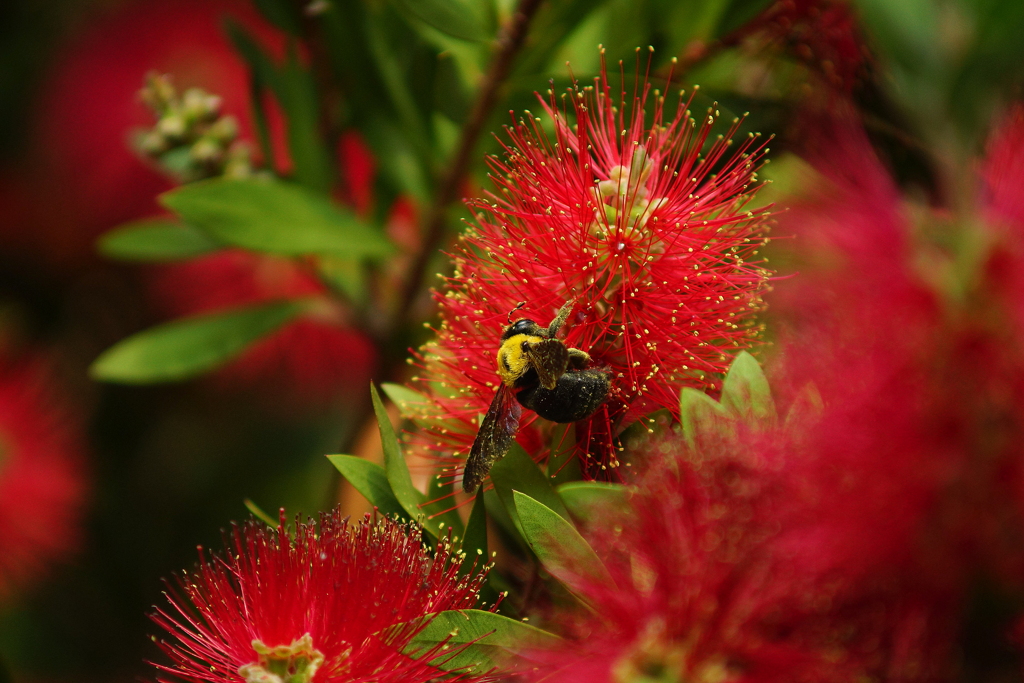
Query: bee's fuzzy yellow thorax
column 512, row 360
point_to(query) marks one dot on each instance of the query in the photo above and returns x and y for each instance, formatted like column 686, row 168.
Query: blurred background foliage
column 386, row 107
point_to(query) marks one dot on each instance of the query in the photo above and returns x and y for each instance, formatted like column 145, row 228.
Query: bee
column 538, row 372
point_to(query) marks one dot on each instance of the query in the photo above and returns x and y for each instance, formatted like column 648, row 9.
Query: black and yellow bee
column 538, row 372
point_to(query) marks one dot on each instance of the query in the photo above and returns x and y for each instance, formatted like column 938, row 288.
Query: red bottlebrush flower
column 1002, row 170
column 705, row 582
column 643, row 227
column 42, row 484
column 312, row 360
column 691, row 580
column 337, row 604
column 860, row 324
column 1002, row 204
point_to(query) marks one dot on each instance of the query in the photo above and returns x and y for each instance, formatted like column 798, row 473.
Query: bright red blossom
column 41, row 475
column 339, row 602
column 644, row 227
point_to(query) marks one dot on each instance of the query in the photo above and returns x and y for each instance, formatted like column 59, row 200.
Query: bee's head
column 524, row 326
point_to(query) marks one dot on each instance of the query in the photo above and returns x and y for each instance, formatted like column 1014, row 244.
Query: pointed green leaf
column 586, row 498
column 699, row 413
column 371, row 481
column 474, row 542
column 440, row 504
column 155, row 240
column 518, row 472
column 562, row 463
column 411, row 499
column 492, row 638
column 402, row 396
column 185, row 348
column 281, row 14
column 395, row 468
column 564, row 553
column 511, row 537
column 456, row 18
column 274, row 217
column 745, row 390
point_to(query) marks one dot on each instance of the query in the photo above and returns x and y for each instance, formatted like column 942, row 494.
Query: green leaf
column 511, row 537
column 371, row 481
column 740, row 12
column 586, row 498
column 274, row 217
column 185, row 348
column 397, row 471
column 440, row 501
column 564, row 553
column 474, row 542
column 491, row 638
column 300, row 101
column 402, row 396
column 345, row 276
column 281, row 14
column 455, row 18
column 745, row 390
column 563, row 465
column 395, row 468
column 699, row 413
column 518, row 472
column 155, row 240
column 295, row 90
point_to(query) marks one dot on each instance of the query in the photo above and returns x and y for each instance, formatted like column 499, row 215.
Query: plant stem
column 510, row 40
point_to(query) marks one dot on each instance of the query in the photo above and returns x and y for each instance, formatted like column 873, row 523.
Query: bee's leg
column 578, row 359
column 560, row 318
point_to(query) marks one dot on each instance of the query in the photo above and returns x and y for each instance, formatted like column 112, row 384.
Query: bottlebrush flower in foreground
column 41, row 478
column 643, row 228
column 707, row 579
column 691, row 579
column 332, row 604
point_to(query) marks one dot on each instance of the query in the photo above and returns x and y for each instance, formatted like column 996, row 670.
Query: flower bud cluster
column 192, row 138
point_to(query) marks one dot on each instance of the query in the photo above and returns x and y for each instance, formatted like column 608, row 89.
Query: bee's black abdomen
column 576, row 396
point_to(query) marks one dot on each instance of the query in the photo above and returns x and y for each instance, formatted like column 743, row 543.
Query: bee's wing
column 494, row 438
column 550, row 358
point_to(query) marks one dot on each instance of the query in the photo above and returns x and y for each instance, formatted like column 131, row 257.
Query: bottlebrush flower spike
column 332, row 604
column 41, row 480
column 692, row 578
column 643, row 227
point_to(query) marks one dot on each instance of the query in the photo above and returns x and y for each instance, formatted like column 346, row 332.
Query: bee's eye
column 525, row 346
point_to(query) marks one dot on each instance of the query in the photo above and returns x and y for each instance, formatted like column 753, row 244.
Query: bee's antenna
column 518, row 306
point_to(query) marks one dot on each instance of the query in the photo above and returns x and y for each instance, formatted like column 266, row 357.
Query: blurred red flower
column 698, row 588
column 824, row 34
column 336, row 602
column 644, row 227
column 81, row 175
column 42, row 479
